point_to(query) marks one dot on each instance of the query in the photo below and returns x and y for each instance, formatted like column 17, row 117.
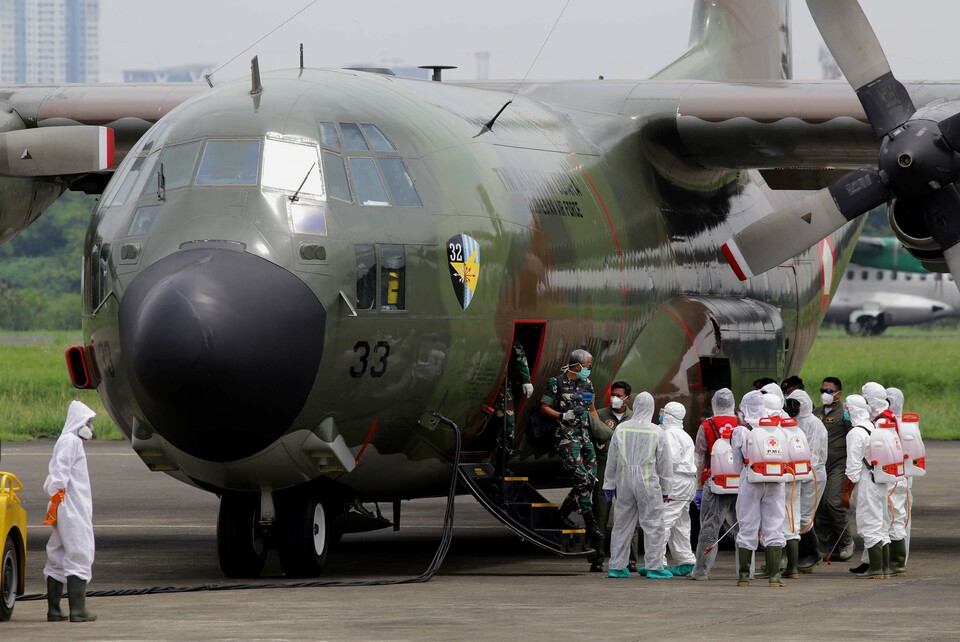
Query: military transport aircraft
column 285, row 276
column 885, row 286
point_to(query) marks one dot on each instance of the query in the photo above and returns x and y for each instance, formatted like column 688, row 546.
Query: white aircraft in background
column 886, row 286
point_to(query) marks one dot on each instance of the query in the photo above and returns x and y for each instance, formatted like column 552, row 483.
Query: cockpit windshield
column 230, row 162
column 292, row 167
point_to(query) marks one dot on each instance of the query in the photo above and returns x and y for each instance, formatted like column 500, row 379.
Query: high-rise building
column 49, row 41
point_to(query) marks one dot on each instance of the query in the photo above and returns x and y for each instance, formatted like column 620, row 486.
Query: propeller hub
column 916, row 160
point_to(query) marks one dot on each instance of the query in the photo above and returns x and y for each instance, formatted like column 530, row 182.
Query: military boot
column 809, row 554
column 744, row 557
column 898, row 558
column 77, row 595
column 567, row 507
column 774, row 555
column 792, row 553
column 593, row 529
column 874, row 569
column 887, row 571
column 54, row 594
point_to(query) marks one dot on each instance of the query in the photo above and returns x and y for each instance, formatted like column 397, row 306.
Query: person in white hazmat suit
column 872, row 512
column 760, row 505
column 811, row 492
column 70, row 549
column 639, row 474
column 676, row 512
column 716, row 509
column 902, row 499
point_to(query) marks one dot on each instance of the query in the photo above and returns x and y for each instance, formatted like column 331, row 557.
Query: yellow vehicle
column 13, row 537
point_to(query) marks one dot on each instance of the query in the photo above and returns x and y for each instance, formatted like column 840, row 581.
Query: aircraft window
column 366, row 276
column 143, row 221
column 392, row 277
column 378, row 142
column 99, row 271
column 328, row 135
column 401, row 185
column 879, row 275
column 938, row 277
column 308, row 218
column 230, row 162
column 893, row 275
column 134, row 180
column 923, row 277
column 352, row 138
column 907, row 277
column 366, row 178
column 286, row 165
column 178, row 163
column 336, row 173
column 949, row 277
column 864, row 275
column 849, row 275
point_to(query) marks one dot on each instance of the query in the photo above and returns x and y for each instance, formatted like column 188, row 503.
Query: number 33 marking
column 381, row 350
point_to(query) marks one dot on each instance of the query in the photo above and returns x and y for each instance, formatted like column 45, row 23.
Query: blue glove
column 609, row 494
column 698, row 498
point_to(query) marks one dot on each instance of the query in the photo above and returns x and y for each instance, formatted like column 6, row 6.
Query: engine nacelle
column 911, row 230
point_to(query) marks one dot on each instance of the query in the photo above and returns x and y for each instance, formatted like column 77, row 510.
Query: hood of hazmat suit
column 876, row 396
column 74, row 527
column 895, row 399
column 772, row 405
column 723, row 402
column 773, row 389
column 859, row 411
column 752, row 408
column 673, row 414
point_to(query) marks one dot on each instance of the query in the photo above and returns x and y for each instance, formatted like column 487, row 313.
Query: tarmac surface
column 154, row 531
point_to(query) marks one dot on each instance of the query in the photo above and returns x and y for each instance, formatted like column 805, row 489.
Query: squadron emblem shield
column 463, row 253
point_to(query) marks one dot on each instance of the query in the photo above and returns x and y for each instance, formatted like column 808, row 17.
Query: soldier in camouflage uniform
column 831, row 519
column 518, row 373
column 568, row 399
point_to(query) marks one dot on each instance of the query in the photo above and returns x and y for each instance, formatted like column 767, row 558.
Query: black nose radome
column 222, row 348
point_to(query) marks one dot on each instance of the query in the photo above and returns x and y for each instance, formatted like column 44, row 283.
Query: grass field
column 924, row 363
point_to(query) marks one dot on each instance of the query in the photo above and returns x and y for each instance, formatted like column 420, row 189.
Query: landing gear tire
column 305, row 537
column 241, row 543
column 9, row 579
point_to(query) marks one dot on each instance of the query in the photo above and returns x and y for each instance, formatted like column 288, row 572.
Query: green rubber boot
column 875, row 568
column 774, row 554
column 54, row 593
column 77, row 595
column 744, row 557
column 887, row 571
column 792, row 554
column 898, row 558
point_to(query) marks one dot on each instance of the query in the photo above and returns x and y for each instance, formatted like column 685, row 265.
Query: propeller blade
column 950, row 128
column 942, row 216
column 854, row 45
column 789, row 231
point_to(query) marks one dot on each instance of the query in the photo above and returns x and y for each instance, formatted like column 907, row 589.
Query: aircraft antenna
column 489, row 124
column 307, row 6
column 256, row 86
column 301, row 56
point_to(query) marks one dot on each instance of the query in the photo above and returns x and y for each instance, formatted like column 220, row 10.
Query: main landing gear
column 302, row 531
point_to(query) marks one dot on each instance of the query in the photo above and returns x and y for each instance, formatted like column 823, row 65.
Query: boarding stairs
column 522, row 509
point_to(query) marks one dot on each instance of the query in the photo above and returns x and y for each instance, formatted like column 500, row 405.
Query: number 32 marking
column 381, row 351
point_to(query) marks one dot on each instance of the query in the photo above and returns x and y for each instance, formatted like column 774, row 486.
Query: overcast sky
column 616, row 38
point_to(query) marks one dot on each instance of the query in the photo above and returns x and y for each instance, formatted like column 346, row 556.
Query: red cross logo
column 772, row 443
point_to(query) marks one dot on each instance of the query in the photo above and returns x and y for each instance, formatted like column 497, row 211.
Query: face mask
column 616, row 403
column 85, row 432
column 584, row 373
column 826, row 399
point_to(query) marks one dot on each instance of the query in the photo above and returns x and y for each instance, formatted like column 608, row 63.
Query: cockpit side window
column 366, row 276
column 230, row 162
column 179, row 162
column 292, row 167
column 393, row 268
column 366, row 178
column 401, row 185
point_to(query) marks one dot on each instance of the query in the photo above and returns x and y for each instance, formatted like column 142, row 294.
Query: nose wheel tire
column 305, row 537
column 9, row 579
column 241, row 543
